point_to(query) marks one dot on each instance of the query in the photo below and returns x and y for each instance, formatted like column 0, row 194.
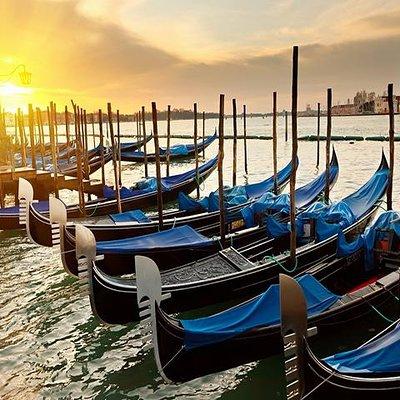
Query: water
column 52, row 347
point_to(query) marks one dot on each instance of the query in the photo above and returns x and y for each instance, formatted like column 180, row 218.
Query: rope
column 381, row 315
column 173, row 225
column 272, row 258
column 200, row 180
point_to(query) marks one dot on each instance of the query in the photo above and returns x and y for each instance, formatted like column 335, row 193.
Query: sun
column 9, row 90
column 13, row 96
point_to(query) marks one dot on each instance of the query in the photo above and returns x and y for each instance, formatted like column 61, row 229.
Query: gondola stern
column 149, row 296
column 294, row 333
column 58, row 218
column 384, row 165
column 85, row 252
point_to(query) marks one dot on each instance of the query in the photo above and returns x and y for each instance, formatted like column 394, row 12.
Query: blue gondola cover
column 379, row 356
column 182, row 236
column 129, row 216
column 263, row 310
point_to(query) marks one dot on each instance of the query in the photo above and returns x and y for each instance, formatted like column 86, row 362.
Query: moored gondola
column 178, row 151
column 106, row 227
column 229, row 275
column 337, row 291
column 184, row 244
column 40, row 225
column 367, row 372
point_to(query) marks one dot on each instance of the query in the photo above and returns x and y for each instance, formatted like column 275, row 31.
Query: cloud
column 93, row 59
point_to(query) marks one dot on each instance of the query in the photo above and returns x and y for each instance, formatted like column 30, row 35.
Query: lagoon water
column 51, row 346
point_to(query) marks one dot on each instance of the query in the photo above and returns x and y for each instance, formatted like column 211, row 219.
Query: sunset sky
column 176, row 52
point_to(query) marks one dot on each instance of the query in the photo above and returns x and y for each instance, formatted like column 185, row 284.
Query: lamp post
column 24, row 76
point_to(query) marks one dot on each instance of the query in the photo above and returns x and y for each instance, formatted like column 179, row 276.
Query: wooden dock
column 43, row 182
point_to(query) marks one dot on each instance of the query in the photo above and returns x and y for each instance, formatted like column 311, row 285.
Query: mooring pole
column 295, row 68
column 389, row 192
column 84, row 129
column 234, row 156
column 286, row 126
column 53, row 146
column 158, row 168
column 146, row 170
column 204, row 133
column 328, row 143
column 117, row 189
column 103, row 175
column 119, row 151
column 22, row 136
column 318, row 130
column 274, row 142
column 67, row 132
column 196, row 150
column 245, row 140
column 93, row 133
column 79, row 162
column 32, row 135
column 168, row 136
column 220, row 169
column 41, row 136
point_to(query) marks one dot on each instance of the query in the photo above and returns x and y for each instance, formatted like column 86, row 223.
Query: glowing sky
column 131, row 52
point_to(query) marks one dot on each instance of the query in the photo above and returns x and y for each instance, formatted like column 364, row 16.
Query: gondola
column 367, row 372
column 177, row 151
column 106, row 227
column 132, row 146
column 228, row 275
column 183, row 244
column 39, row 227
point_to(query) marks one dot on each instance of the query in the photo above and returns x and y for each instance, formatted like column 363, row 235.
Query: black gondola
column 105, row 228
column 228, row 275
column 40, row 225
column 176, row 152
column 183, row 244
column 353, row 375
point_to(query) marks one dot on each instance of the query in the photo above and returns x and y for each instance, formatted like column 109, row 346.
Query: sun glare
column 13, row 96
column 9, row 89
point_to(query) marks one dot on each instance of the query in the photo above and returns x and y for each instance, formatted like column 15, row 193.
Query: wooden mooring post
column 146, row 168
column 220, row 170
column 245, row 140
column 295, row 67
column 274, row 142
column 204, row 133
column 328, row 144
column 113, row 146
column 234, row 155
column 168, row 136
column 31, row 120
column 103, row 175
column 119, row 151
column 389, row 192
column 196, row 150
column 318, row 130
column 158, row 167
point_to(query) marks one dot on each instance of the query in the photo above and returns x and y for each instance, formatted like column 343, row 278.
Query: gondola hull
column 259, row 343
column 224, row 277
column 333, row 385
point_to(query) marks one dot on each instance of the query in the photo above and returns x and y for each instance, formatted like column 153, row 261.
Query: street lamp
column 24, row 76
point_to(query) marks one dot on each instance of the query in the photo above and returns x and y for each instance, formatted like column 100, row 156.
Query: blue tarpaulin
column 304, row 195
column 41, row 206
column 182, row 236
column 344, row 213
column 379, row 356
column 388, row 220
column 263, row 310
column 150, row 184
column 129, row 216
column 233, row 196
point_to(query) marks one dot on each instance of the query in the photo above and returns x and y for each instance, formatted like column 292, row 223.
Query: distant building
column 344, row 109
column 366, row 103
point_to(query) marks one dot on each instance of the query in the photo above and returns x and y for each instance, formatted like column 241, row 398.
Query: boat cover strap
column 379, row 356
column 263, row 310
column 182, row 236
